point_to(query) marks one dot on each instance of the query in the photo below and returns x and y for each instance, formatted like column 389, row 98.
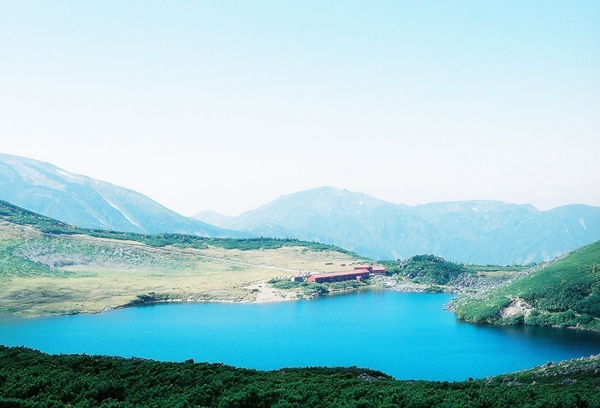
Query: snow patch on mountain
column 67, row 174
column 122, row 213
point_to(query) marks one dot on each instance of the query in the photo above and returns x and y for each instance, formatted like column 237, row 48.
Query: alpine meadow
column 311, row 204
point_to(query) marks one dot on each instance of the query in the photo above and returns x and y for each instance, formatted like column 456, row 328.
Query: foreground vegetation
column 565, row 293
column 48, row 267
column 32, row 379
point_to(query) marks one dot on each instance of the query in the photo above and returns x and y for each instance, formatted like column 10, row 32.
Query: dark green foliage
column 306, row 288
column 18, row 215
column 565, row 293
column 346, row 285
column 427, row 269
column 149, row 298
column 434, row 289
column 286, row 284
column 477, row 311
column 560, row 319
column 33, row 379
column 310, row 288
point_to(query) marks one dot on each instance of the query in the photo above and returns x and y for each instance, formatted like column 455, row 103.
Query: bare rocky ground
column 462, row 284
column 571, row 371
column 263, row 292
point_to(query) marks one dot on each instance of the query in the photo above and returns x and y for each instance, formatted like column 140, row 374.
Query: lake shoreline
column 260, row 335
column 268, row 294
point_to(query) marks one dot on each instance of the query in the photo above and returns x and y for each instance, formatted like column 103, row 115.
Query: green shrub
column 427, row 269
column 285, row 284
column 566, row 293
column 32, row 379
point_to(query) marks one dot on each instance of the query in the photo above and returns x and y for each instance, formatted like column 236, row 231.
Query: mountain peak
column 212, row 217
column 477, row 231
column 82, row 201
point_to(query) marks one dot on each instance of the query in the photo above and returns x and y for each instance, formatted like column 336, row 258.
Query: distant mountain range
column 469, row 231
column 482, row 232
column 82, row 201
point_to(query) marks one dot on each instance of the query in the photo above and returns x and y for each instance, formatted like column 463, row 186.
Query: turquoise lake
column 406, row 335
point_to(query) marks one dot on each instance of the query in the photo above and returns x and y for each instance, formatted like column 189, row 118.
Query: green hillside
column 20, row 216
column 427, row 268
column 48, row 267
column 32, row 379
column 565, row 293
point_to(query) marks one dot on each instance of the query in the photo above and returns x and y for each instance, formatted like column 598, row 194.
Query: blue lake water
column 408, row 336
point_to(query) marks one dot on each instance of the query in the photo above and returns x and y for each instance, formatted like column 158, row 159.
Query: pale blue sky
column 227, row 105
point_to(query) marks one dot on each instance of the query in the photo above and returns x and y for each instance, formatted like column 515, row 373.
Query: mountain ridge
column 89, row 203
column 477, row 231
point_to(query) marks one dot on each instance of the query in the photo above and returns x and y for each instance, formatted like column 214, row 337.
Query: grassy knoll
column 427, row 269
column 433, row 274
column 565, row 293
column 48, row 267
column 435, row 270
column 32, row 379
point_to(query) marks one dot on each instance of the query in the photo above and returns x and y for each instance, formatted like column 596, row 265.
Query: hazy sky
column 228, row 105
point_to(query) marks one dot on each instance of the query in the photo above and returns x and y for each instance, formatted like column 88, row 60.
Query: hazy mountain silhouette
column 468, row 231
column 82, row 201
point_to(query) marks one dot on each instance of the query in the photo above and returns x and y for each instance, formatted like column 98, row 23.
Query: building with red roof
column 378, row 270
column 358, row 274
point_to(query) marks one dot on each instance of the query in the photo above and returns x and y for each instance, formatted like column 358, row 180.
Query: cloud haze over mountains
column 199, row 104
column 470, row 231
column 88, row 203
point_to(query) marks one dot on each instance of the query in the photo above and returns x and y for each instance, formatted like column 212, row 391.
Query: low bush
column 32, row 379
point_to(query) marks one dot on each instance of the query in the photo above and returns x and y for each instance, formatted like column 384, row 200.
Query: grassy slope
column 565, row 293
column 32, row 379
column 48, row 267
column 17, row 215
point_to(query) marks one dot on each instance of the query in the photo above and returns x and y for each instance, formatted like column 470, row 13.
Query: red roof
column 362, row 266
column 345, row 273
